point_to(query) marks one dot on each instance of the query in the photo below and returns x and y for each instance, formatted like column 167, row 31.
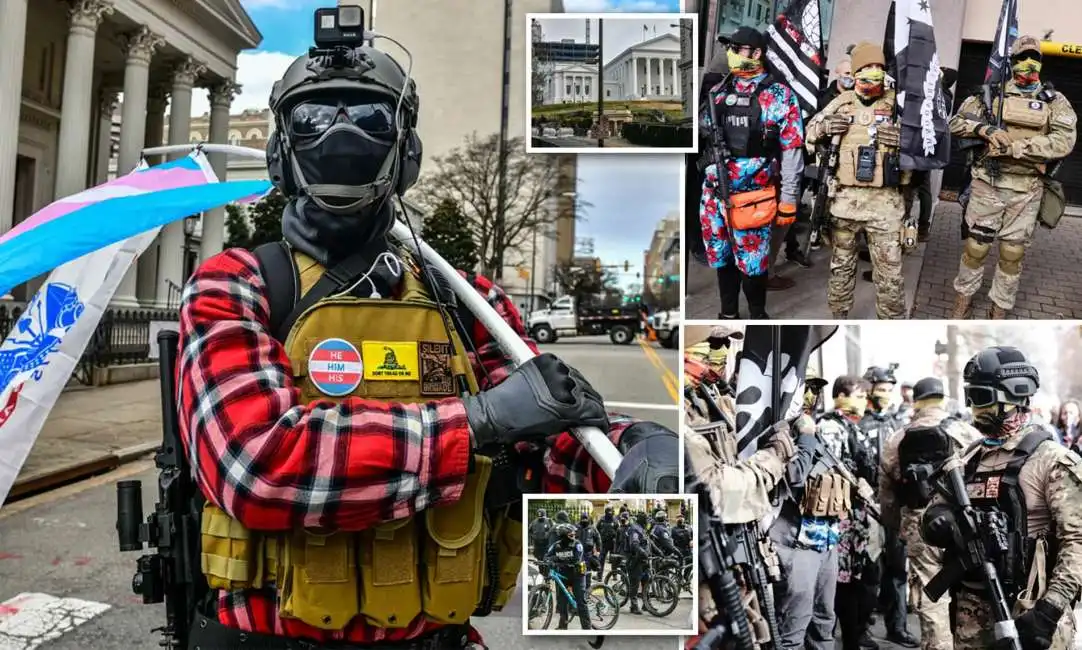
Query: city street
column 62, row 546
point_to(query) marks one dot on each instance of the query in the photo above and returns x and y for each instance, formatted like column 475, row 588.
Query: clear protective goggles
column 314, row 116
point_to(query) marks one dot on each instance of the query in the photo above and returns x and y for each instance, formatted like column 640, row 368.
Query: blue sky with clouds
column 629, row 193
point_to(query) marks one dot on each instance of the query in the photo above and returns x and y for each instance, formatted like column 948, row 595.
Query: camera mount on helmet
column 339, row 32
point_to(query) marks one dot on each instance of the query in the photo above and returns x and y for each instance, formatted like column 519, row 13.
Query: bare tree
column 468, row 176
column 540, row 72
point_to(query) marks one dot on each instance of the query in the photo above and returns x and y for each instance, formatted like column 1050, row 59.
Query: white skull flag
column 791, row 346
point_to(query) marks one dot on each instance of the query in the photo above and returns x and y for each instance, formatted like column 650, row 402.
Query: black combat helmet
column 562, row 517
column 928, row 388
column 1000, row 374
column 877, row 375
column 565, row 531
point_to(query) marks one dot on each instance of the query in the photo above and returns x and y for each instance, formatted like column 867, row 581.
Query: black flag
column 909, row 46
column 755, row 385
column 999, row 66
column 795, row 51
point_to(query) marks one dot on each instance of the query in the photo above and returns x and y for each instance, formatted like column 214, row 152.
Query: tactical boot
column 995, row 312
column 961, row 307
column 839, row 315
column 634, row 607
column 562, row 625
column 729, row 280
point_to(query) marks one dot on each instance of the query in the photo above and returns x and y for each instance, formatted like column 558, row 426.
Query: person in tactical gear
column 714, row 351
column 591, row 542
column 759, row 119
column 343, row 411
column 638, row 552
column 566, row 556
column 910, row 456
column 868, row 195
column 661, row 535
column 877, row 425
column 540, row 529
column 1038, row 128
column 856, row 533
column 813, row 392
column 607, row 528
column 1027, row 492
column 681, row 538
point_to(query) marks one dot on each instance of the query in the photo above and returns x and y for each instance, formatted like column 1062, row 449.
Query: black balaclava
column 328, row 238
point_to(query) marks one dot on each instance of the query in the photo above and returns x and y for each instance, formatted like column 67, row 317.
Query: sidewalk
column 1051, row 285
column 93, row 429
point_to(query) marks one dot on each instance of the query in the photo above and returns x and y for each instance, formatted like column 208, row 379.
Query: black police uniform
column 566, row 558
column 540, row 529
column 638, row 552
column 607, row 529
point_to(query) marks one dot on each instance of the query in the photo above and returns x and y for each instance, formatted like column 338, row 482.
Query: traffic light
column 627, row 266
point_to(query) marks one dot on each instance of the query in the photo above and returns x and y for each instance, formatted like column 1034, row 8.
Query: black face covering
column 328, row 238
column 343, row 155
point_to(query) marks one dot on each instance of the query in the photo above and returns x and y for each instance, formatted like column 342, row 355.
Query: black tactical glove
column 651, row 463
column 1037, row 626
column 541, row 398
column 939, row 527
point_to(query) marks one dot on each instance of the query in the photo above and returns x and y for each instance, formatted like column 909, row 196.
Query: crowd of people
column 770, row 145
column 581, row 551
column 861, row 520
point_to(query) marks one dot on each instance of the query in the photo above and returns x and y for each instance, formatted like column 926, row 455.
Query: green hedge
column 646, row 134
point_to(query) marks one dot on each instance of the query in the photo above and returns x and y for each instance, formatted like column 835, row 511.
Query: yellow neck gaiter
column 742, row 66
column 869, row 83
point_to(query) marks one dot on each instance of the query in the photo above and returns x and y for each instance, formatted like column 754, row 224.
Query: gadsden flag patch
column 335, row 367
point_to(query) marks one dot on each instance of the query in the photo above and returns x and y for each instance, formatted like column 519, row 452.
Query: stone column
column 77, row 101
column 157, row 99
column 634, row 77
column 678, row 86
column 12, row 44
column 649, row 76
column 140, row 48
column 107, row 101
column 171, row 253
column 221, row 98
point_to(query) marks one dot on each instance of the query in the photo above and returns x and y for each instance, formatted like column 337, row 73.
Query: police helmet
column 1000, row 374
column 562, row 517
column 661, row 517
column 929, row 388
column 565, row 531
column 367, row 92
column 608, row 510
column 641, row 518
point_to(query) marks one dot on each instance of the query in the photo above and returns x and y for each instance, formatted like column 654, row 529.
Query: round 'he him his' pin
column 335, row 367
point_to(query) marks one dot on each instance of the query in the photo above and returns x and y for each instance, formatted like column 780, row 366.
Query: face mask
column 880, row 398
column 742, row 66
column 341, row 168
column 869, row 83
column 989, row 420
column 846, row 83
column 810, row 400
column 1027, row 72
column 854, row 406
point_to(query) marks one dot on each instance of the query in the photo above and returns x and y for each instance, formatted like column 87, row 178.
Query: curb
column 53, row 478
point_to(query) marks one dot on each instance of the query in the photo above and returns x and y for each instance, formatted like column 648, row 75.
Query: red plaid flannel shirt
column 276, row 464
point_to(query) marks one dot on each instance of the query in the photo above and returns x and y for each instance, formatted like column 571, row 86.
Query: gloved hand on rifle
column 782, row 440
column 999, row 141
column 889, row 135
column 1037, row 626
column 836, row 124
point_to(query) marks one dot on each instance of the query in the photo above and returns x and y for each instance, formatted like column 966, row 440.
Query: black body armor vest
column 741, row 118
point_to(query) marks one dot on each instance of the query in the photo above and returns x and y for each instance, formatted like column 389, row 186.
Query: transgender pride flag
column 93, row 237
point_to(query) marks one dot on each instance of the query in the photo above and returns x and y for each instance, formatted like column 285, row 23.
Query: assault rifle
column 716, row 569
column 718, row 154
column 971, row 556
column 838, row 466
column 822, row 198
column 169, row 575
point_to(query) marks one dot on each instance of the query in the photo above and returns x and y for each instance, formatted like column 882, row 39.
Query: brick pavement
column 1051, row 286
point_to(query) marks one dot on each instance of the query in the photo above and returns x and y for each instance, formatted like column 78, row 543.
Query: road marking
column 122, row 472
column 30, row 620
column 667, row 376
column 641, row 407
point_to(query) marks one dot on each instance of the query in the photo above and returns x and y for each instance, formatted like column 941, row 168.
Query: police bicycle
column 601, row 602
column 677, row 568
column 661, row 595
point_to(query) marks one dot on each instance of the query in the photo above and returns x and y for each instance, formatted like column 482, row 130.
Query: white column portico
column 634, row 77
column 12, row 44
column 107, row 101
column 171, row 252
column 141, row 47
column 157, row 99
column 221, row 98
column 649, row 77
column 78, row 97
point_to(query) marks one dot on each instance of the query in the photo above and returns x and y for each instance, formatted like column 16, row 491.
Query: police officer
column 681, row 538
column 762, row 126
column 909, row 458
column 590, row 540
column 395, row 454
column 607, row 528
column 868, row 194
column 1039, row 127
column 1030, row 488
column 638, row 554
column 540, row 529
column 566, row 557
column 561, row 518
column 661, row 535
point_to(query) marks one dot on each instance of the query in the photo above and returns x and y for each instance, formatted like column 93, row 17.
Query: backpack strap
column 1025, row 449
column 282, row 278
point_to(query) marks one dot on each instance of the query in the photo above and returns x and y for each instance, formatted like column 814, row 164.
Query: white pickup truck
column 565, row 318
column 666, row 326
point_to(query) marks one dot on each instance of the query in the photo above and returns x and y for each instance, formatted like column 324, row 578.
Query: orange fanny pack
column 755, row 209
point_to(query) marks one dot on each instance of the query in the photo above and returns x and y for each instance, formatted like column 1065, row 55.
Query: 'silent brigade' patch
column 335, row 367
column 437, row 377
column 390, row 361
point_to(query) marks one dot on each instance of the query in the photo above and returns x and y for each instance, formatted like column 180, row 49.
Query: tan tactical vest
column 864, row 118
column 434, row 563
column 1023, row 117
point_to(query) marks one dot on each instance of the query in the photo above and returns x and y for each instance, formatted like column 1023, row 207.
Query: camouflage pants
column 935, row 624
column 974, row 624
column 1004, row 215
column 885, row 246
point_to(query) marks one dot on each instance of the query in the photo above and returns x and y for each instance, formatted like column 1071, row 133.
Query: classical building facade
column 661, row 262
column 647, row 70
column 62, row 66
column 454, row 105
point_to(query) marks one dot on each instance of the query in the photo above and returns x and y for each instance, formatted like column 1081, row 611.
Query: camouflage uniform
column 1004, row 208
column 924, row 560
column 863, row 207
column 1051, row 482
